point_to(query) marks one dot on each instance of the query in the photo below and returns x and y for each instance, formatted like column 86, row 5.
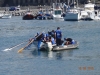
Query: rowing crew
column 55, row 37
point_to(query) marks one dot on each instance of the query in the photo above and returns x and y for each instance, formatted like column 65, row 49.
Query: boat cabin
column 89, row 6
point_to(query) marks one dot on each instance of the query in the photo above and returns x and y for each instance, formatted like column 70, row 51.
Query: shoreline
column 22, row 11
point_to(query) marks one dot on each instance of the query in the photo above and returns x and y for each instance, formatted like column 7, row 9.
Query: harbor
column 50, row 40
column 15, row 31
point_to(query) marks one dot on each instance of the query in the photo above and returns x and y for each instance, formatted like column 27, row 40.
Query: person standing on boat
column 58, row 36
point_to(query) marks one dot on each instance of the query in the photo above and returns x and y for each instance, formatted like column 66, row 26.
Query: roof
column 89, row 5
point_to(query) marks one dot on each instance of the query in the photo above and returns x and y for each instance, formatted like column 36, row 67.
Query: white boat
column 6, row 16
column 72, row 15
column 57, row 11
column 49, row 46
column 85, row 16
column 57, row 14
column 93, row 14
column 1, row 14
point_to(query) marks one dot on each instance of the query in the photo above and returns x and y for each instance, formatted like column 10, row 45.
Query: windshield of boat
column 57, row 12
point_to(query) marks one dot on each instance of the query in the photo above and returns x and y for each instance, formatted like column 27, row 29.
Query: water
column 82, row 61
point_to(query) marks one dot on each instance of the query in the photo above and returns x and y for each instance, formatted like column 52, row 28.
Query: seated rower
column 69, row 41
column 52, row 40
column 45, row 37
column 52, row 33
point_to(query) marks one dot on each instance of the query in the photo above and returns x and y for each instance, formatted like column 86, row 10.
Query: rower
column 52, row 33
column 39, row 39
column 52, row 40
column 69, row 41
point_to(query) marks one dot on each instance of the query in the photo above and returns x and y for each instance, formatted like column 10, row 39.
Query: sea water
column 82, row 61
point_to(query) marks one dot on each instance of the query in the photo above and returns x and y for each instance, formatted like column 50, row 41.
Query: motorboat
column 28, row 16
column 92, row 13
column 72, row 15
column 6, row 16
column 57, row 11
column 85, row 16
column 57, row 14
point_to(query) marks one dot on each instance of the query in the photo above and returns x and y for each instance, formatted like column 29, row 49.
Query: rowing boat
column 49, row 46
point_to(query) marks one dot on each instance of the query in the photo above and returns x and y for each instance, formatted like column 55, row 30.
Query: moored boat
column 6, row 16
column 28, row 16
column 57, row 11
column 72, row 15
column 92, row 13
column 85, row 16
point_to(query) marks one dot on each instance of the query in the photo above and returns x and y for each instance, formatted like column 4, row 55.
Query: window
column 57, row 12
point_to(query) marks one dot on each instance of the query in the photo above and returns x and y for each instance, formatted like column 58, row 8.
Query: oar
column 14, row 46
column 20, row 51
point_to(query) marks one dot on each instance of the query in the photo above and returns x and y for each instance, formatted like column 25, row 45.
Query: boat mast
column 94, row 1
column 77, row 3
column 68, row 3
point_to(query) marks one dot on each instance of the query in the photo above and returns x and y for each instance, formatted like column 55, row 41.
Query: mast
column 68, row 2
column 94, row 1
column 77, row 3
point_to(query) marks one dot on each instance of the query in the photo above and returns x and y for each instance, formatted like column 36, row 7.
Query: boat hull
column 49, row 46
column 6, row 16
column 65, row 47
column 28, row 17
column 72, row 17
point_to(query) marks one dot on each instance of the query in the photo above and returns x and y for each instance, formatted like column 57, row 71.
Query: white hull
column 6, row 16
column 57, row 17
column 72, row 17
column 1, row 15
column 56, row 11
column 92, row 13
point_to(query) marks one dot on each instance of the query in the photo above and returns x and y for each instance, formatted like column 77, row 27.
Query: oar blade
column 20, row 51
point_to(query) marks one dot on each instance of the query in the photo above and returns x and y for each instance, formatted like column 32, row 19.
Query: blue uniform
column 58, row 37
column 58, row 34
column 73, row 42
column 53, row 41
